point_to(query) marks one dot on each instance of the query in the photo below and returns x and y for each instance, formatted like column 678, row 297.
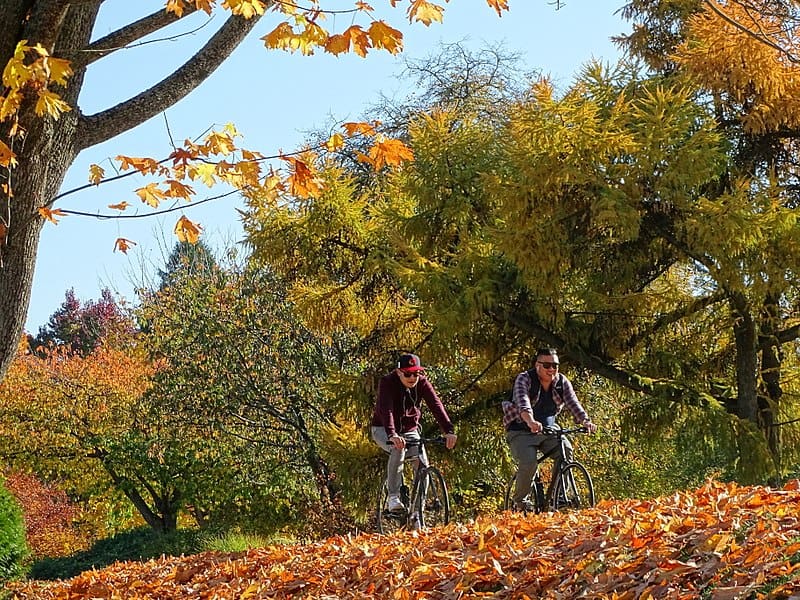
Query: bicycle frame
column 570, row 484
column 428, row 504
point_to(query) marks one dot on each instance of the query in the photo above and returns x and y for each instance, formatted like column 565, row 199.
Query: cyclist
column 538, row 396
column 396, row 419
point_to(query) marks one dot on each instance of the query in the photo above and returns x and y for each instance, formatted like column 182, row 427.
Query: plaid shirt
column 563, row 395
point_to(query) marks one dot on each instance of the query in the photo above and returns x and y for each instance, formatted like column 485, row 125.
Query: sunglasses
column 548, row 365
column 410, row 373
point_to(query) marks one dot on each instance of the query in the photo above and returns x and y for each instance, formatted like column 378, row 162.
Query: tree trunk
column 771, row 391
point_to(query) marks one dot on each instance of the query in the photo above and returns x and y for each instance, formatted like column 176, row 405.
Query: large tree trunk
column 49, row 146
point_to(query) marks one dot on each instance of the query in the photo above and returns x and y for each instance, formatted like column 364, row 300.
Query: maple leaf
column 96, row 174
column 175, row 7
column 337, row 44
column 176, row 189
column 187, row 231
column 10, row 104
column 120, row 206
column 498, row 5
column 359, row 127
column 359, row 39
column 151, row 195
column 279, row 38
column 51, row 103
column 386, row 37
column 245, row 8
column 220, row 143
column 302, row 180
column 390, row 152
column 182, row 156
column 7, row 156
column 425, row 12
column 123, row 245
column 143, row 165
column 51, row 215
column 58, row 69
column 334, row 142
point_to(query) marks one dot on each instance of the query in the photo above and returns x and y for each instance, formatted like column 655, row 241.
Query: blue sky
column 274, row 99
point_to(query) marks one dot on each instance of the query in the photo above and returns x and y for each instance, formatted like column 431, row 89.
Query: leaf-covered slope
column 721, row 541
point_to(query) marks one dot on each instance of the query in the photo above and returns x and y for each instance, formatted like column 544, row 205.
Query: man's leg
column 394, row 467
column 524, row 448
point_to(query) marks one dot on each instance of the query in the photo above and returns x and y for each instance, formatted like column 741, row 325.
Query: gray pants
column 524, row 447
column 394, row 468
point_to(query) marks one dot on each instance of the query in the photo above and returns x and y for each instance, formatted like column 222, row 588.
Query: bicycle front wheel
column 574, row 489
column 431, row 500
column 385, row 521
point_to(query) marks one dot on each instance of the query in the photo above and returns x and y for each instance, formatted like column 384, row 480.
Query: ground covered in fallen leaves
column 720, row 542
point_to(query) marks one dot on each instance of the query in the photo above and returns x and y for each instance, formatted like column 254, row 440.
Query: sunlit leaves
column 123, row 245
column 51, row 214
column 733, row 541
column 425, row 12
column 187, row 231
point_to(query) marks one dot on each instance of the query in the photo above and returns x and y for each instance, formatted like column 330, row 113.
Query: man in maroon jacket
column 396, row 420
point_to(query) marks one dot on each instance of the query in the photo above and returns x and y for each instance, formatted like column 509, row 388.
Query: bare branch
column 102, row 126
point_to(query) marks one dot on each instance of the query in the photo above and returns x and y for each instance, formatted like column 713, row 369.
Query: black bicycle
column 567, row 486
column 427, row 504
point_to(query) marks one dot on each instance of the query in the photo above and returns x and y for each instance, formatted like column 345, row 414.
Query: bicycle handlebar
column 558, row 432
column 421, row 441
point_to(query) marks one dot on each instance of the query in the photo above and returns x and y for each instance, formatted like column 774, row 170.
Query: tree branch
column 131, row 33
column 104, row 125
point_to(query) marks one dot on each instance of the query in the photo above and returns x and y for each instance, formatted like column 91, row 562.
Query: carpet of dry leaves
column 720, row 542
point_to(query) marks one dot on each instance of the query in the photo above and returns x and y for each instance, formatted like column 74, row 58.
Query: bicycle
column 428, row 504
column 570, row 489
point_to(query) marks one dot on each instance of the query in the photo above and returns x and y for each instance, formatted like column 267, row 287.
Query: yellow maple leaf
column 334, row 142
column 280, row 38
column 391, row 152
column 50, row 103
column 245, row 8
column 205, row 172
column 187, row 231
column 151, row 195
column 220, row 143
column 51, row 215
column 204, row 5
column 123, row 245
column 359, row 40
column 10, row 104
column 120, row 206
column 96, row 174
column 58, row 69
column 425, row 12
column 386, row 37
column 498, row 5
column 7, row 156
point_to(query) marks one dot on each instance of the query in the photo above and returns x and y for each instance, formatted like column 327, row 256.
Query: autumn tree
column 240, row 396
column 83, row 325
column 603, row 220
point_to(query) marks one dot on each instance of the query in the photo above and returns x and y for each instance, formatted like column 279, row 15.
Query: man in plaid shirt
column 539, row 396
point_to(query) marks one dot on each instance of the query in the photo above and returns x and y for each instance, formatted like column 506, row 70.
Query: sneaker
column 526, row 506
column 394, row 504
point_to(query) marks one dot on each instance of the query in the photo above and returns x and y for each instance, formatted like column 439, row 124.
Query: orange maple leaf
column 498, row 5
column 337, row 44
column 151, row 195
column 187, row 231
column 386, row 37
column 358, row 39
column 364, row 6
column 51, row 215
column 425, row 12
column 177, row 189
column 302, row 180
column 123, row 245
column 143, row 165
column 390, row 152
column 7, row 156
column 359, row 127
column 119, row 206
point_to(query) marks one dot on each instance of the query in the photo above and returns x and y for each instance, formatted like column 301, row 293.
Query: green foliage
column 13, row 547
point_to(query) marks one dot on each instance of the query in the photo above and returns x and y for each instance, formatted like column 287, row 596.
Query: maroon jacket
column 398, row 409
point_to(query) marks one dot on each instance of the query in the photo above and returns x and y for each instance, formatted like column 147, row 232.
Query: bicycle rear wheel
column 574, row 488
column 431, row 499
column 388, row 522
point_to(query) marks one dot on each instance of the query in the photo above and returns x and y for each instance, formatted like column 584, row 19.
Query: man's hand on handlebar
column 450, row 440
column 398, row 441
column 590, row 427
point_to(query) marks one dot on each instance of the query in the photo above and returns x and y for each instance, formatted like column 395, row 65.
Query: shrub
column 13, row 548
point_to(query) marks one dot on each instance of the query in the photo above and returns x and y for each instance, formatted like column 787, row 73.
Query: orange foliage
column 49, row 516
column 723, row 541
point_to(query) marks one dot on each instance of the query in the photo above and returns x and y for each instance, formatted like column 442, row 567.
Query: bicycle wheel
column 574, row 489
column 431, row 500
column 388, row 522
